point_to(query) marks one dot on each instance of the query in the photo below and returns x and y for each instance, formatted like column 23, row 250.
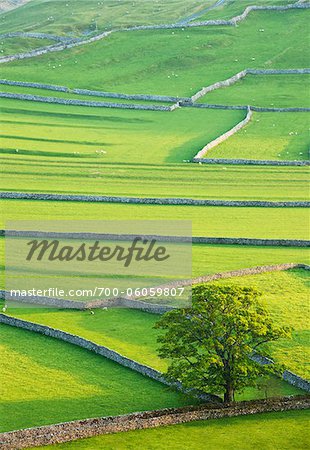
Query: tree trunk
column 229, row 394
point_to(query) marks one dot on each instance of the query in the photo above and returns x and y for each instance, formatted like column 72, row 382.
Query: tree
column 208, row 345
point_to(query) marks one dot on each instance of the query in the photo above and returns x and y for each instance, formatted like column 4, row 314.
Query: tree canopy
column 209, row 344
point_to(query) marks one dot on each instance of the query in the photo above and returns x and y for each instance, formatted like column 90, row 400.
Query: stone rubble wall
column 85, row 428
column 225, row 136
column 154, row 200
column 253, row 162
column 51, row 87
column 64, row 101
column 125, row 237
column 287, row 375
column 238, row 76
column 244, row 108
column 21, row 34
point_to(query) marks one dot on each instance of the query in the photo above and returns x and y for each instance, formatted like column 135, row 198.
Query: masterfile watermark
column 139, row 249
column 55, row 263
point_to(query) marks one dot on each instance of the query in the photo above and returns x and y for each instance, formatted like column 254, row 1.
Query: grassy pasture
column 79, row 175
column 39, row 388
column 286, row 294
column 206, row 221
column 269, row 136
column 10, row 46
column 286, row 430
column 131, row 332
column 77, row 17
column 279, row 91
column 135, row 63
column 52, row 148
column 123, row 135
column 231, row 8
column 206, row 259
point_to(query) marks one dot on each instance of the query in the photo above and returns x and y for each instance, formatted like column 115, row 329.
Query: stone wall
column 51, row 87
column 238, row 76
column 64, row 101
column 126, row 237
column 252, row 162
column 199, row 157
column 288, row 376
column 296, row 380
column 225, row 136
column 79, row 429
column 154, row 201
column 21, row 34
column 244, row 108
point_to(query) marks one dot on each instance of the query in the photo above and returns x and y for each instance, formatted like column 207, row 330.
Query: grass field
column 206, row 220
column 78, row 17
column 77, row 175
column 10, row 46
column 142, row 136
column 286, row 294
column 131, row 332
column 285, row 430
column 39, row 387
column 232, row 8
column 279, row 91
column 134, row 62
column 52, row 148
column 269, row 136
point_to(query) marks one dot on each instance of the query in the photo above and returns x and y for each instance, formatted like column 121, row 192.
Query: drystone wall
column 65, row 101
column 287, row 375
column 225, row 136
column 154, row 201
column 88, row 92
column 51, row 37
column 85, row 428
column 126, row 237
column 238, row 76
column 50, row 87
column 251, row 162
column 244, row 107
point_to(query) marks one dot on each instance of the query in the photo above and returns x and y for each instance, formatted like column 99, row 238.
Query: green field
column 135, row 63
column 47, row 381
column 206, row 220
column 232, row 8
column 77, row 175
column 54, row 148
column 270, row 91
column 151, row 137
column 284, row 430
column 269, row 136
column 10, row 46
column 131, row 332
column 286, row 294
column 76, row 17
